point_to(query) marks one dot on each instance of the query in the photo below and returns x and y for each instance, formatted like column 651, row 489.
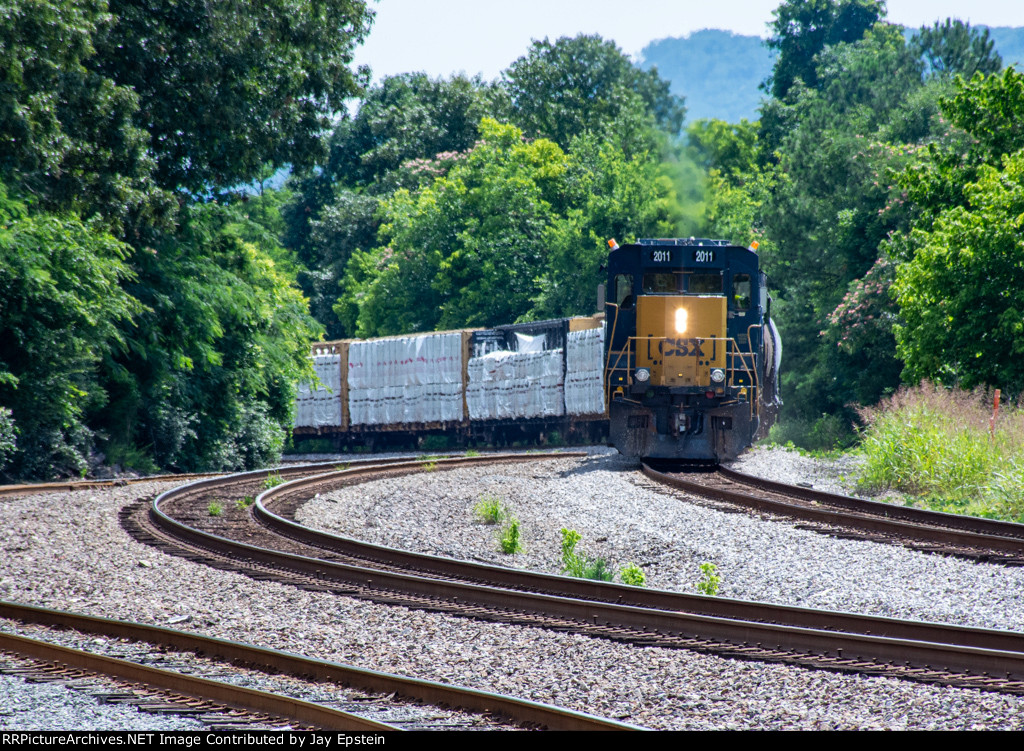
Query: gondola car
column 691, row 354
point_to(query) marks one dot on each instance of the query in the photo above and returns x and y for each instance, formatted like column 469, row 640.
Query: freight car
column 521, row 382
column 687, row 370
column 692, row 355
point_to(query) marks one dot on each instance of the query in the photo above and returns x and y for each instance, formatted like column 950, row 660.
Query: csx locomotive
column 691, row 354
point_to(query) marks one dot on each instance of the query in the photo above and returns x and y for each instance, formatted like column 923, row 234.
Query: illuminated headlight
column 717, row 375
column 642, row 375
column 680, row 320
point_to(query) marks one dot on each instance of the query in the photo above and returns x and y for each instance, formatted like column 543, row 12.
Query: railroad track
column 422, row 705
column 983, row 540
column 265, row 542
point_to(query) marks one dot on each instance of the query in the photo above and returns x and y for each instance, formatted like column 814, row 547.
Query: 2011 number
column 704, row 256
column 661, row 256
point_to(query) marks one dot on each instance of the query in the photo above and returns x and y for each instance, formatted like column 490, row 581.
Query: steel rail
column 872, row 516
column 288, row 663
column 588, row 589
column 740, row 635
column 226, row 694
column 976, row 524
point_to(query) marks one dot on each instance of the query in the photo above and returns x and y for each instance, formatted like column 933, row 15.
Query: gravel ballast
column 98, row 569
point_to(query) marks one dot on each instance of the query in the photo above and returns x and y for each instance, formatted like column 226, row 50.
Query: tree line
column 159, row 299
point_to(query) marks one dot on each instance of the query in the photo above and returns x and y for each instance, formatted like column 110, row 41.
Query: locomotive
column 691, row 353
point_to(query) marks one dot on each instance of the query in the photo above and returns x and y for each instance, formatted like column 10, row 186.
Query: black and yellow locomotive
column 691, row 354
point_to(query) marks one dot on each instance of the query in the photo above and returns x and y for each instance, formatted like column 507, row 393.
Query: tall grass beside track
column 933, row 444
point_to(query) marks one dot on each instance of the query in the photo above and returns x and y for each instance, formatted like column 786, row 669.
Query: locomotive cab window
column 705, row 284
column 624, row 291
column 741, row 291
column 660, row 284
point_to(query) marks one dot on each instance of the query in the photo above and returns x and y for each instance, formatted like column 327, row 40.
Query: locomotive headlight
column 643, row 375
column 717, row 375
column 680, row 320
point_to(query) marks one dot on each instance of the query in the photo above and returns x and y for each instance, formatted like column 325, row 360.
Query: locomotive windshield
column 661, row 283
column 705, row 284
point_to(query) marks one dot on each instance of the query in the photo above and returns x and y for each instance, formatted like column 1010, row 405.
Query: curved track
column 970, row 537
column 267, row 544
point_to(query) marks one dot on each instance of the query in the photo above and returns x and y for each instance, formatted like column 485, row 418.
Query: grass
column 272, row 481
column 934, row 445
column 244, row 503
column 215, row 508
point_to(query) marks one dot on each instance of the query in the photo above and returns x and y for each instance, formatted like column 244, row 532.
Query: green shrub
column 509, row 540
column 579, row 565
column 130, row 456
column 8, row 437
column 272, row 481
column 470, row 453
column 490, row 509
column 633, row 575
column 709, row 579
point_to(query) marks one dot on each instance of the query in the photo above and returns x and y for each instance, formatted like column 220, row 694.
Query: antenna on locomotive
column 612, row 245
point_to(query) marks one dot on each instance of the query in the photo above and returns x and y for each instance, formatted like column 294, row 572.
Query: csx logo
column 680, row 348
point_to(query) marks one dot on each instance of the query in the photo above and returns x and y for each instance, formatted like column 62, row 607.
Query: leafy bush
column 579, row 565
column 490, row 509
column 8, row 437
column 509, row 540
column 633, row 575
column 709, row 579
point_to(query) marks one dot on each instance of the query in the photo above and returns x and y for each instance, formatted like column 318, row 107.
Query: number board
column 704, row 255
column 662, row 255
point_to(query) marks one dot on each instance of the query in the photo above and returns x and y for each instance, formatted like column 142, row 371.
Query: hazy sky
column 483, row 36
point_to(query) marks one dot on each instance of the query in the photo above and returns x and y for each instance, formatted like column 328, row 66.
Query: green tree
column 832, row 204
column 224, row 88
column 954, row 48
column 209, row 377
column 960, row 295
column 563, row 89
column 60, row 313
column 67, row 133
column 609, row 195
column 801, row 29
column 465, row 250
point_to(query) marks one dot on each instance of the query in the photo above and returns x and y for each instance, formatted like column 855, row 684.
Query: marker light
column 680, row 320
column 717, row 375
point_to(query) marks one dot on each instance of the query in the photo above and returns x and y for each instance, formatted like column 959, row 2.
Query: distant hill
column 719, row 72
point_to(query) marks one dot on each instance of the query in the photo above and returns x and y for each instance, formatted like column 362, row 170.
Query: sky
column 442, row 37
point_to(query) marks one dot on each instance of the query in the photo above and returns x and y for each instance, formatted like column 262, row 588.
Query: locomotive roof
column 682, row 249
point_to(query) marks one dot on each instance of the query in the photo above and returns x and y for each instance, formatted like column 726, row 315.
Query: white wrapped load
column 406, row 379
column 584, row 372
column 506, row 385
column 321, row 406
